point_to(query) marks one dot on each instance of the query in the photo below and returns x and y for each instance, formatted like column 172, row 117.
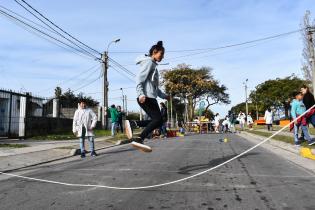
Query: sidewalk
column 42, row 152
column 285, row 150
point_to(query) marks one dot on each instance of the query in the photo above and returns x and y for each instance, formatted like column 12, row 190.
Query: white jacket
column 84, row 117
column 268, row 117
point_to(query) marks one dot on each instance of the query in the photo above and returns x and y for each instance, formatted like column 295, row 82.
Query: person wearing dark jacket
column 121, row 114
column 164, row 118
column 309, row 101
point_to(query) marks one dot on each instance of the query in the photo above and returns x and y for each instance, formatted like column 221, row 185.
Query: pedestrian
column 217, row 123
column 163, row 130
column 297, row 109
column 309, row 101
column 269, row 119
column 226, row 125
column 250, row 121
column 241, row 119
column 84, row 122
column 148, row 90
column 114, row 118
column 232, row 119
column 121, row 115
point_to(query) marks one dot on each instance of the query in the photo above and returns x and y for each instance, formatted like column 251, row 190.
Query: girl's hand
column 142, row 99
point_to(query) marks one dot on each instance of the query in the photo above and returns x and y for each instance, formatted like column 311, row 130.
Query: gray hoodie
column 148, row 78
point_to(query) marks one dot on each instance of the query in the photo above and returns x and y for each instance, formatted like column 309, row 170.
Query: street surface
column 258, row 180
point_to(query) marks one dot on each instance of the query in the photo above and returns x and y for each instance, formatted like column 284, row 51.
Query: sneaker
column 297, row 144
column 312, row 142
column 138, row 144
column 83, row 155
column 128, row 129
column 93, row 154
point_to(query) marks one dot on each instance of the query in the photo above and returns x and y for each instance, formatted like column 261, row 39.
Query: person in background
column 250, row 121
column 114, row 118
column 241, row 120
column 84, row 121
column 269, row 119
column 297, row 109
column 232, row 121
column 309, row 101
column 217, row 123
column 163, row 131
column 121, row 115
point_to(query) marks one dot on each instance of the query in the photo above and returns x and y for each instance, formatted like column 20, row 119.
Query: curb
column 303, row 151
column 73, row 152
column 307, row 153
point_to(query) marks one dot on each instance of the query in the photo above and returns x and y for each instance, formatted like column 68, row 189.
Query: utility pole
column 246, row 99
column 105, row 90
column 310, row 31
column 105, row 85
column 126, row 105
column 123, row 99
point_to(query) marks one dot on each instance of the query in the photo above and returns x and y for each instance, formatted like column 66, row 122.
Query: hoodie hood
column 142, row 58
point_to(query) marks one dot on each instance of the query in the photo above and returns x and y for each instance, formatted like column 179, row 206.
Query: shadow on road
column 187, row 169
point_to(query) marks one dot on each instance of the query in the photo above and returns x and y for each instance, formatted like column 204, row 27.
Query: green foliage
column 191, row 84
column 276, row 93
column 69, row 100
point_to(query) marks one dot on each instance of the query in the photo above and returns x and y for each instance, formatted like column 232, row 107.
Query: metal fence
column 23, row 115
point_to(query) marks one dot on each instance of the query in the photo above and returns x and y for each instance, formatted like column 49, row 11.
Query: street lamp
column 114, row 41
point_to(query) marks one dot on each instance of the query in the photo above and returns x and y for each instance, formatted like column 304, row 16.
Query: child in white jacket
column 84, row 121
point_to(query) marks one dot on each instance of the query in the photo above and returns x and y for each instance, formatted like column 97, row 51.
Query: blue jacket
column 148, row 78
column 297, row 108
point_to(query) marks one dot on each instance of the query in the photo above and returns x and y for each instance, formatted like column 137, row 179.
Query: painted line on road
column 162, row 184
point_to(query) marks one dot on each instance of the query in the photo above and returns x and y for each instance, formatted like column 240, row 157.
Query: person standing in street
column 84, row 122
column 250, row 121
column 114, row 118
column 148, row 90
column 269, row 119
column 241, row 120
column 121, row 115
column 163, row 131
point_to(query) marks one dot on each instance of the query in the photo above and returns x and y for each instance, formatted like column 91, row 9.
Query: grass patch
column 286, row 139
column 13, row 145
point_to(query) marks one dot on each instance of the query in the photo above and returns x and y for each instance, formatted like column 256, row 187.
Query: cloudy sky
column 30, row 63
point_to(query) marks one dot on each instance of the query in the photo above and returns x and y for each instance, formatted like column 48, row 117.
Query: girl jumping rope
column 148, row 90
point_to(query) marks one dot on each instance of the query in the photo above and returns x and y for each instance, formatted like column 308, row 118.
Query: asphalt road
column 259, row 180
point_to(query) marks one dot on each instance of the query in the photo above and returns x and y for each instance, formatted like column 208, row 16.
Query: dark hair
column 157, row 47
column 113, row 106
column 163, row 105
column 295, row 93
column 304, row 86
column 82, row 100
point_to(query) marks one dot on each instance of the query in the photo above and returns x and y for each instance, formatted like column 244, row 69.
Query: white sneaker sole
column 141, row 147
column 128, row 129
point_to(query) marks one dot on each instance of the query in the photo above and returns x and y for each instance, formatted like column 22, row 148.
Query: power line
column 54, row 29
column 88, row 84
column 122, row 74
column 71, row 78
column 122, row 67
column 39, row 31
column 238, row 44
column 58, row 27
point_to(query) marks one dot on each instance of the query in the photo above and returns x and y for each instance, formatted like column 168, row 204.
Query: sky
column 30, row 63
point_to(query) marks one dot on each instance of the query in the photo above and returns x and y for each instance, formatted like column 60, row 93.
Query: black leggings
column 151, row 107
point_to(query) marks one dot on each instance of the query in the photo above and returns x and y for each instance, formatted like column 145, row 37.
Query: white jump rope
column 163, row 184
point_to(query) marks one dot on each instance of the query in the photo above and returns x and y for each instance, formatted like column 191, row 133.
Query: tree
column 69, row 100
column 306, row 62
column 191, row 84
column 58, row 92
column 276, row 93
